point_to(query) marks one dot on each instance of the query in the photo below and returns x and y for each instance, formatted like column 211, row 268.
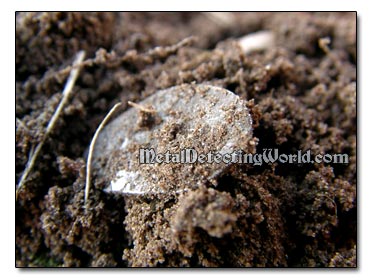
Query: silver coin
column 182, row 120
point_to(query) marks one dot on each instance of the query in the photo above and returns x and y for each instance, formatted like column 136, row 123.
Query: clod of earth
column 199, row 117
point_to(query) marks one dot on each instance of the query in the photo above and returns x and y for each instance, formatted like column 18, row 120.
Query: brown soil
column 269, row 215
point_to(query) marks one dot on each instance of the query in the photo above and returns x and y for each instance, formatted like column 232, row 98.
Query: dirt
column 301, row 94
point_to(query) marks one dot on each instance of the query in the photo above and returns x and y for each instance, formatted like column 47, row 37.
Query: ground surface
column 301, row 94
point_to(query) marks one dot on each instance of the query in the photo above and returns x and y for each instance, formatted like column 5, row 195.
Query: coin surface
column 177, row 123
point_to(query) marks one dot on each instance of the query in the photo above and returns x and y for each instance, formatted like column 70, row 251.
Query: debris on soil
column 66, row 94
column 88, row 177
column 300, row 91
column 258, row 41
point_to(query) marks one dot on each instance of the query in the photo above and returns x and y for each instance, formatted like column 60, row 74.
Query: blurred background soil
column 301, row 93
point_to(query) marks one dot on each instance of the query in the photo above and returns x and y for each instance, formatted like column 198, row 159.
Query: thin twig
column 141, row 108
column 90, row 153
column 66, row 95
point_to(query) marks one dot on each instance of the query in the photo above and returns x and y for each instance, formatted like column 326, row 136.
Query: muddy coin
column 172, row 129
